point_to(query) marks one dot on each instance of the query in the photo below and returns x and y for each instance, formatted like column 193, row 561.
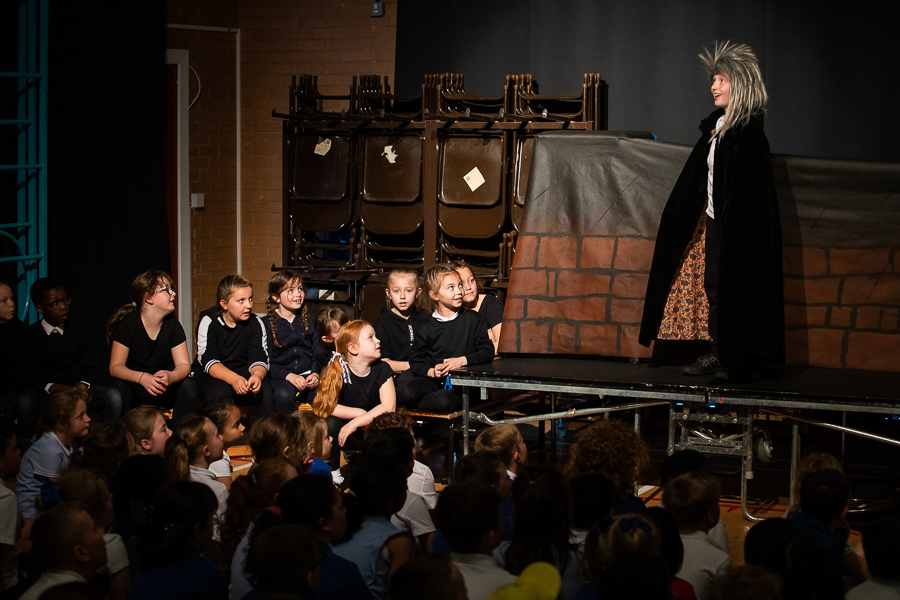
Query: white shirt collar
column 48, row 328
column 443, row 319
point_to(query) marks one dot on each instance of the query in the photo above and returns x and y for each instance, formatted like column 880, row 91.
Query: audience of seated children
column 421, row 481
column 63, row 418
column 437, row 574
column 104, row 449
column 291, row 338
column 329, row 321
column 355, row 388
column 59, row 351
column 543, row 528
column 148, row 428
column 148, row 359
column 452, row 338
column 611, row 448
column 250, row 497
column 226, row 416
column 68, row 547
column 10, row 459
column 232, row 349
column 316, row 442
column 172, row 565
column 313, row 501
column 11, row 332
column 397, row 444
column 468, row 514
column 881, row 540
column 693, row 499
column 611, row 541
column 371, row 541
column 88, row 490
column 194, row 446
column 282, row 561
column 486, row 305
column 396, row 330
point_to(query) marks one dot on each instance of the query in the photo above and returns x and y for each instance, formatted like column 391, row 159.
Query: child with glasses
column 59, row 351
column 148, row 355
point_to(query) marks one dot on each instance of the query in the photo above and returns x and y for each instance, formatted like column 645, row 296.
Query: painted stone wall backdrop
column 592, row 210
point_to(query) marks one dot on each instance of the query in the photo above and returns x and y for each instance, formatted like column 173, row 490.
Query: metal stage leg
column 795, row 456
column 465, row 421
column 747, row 462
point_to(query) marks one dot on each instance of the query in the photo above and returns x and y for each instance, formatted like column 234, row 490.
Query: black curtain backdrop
column 106, row 205
column 830, row 67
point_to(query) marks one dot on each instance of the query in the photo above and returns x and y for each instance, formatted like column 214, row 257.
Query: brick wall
column 583, row 255
column 330, row 38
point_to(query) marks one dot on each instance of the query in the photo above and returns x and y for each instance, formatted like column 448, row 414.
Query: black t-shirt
column 362, row 392
column 491, row 310
column 144, row 354
column 465, row 335
column 397, row 334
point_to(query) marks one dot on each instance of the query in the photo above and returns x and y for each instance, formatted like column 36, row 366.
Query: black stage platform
column 645, row 384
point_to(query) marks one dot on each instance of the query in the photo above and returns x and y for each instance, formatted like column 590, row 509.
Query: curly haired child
column 611, row 448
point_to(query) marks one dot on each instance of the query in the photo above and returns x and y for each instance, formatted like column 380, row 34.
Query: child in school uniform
column 356, row 387
column 329, row 321
column 693, row 499
column 64, row 418
column 232, row 355
column 396, row 329
column 148, row 358
column 486, row 305
column 58, row 350
column 452, row 338
column 227, row 419
column 291, row 343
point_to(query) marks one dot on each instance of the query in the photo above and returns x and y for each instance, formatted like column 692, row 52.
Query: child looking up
column 148, row 428
column 227, row 419
column 452, row 338
column 149, row 358
column 193, row 447
column 291, row 341
column 64, row 418
column 316, row 442
column 329, row 321
column 59, row 351
column 232, row 358
column 356, row 386
column 486, row 305
column 278, row 436
column 396, row 329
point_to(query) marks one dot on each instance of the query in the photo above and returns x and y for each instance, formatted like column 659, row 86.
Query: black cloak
column 751, row 289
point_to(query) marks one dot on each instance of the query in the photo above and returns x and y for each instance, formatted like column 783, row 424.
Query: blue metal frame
column 29, row 233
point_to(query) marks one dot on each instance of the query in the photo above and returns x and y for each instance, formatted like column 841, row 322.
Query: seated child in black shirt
column 452, row 338
column 328, row 321
column 58, row 351
column 232, row 359
column 356, row 387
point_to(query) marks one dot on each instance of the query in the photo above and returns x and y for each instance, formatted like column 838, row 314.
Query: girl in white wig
column 716, row 272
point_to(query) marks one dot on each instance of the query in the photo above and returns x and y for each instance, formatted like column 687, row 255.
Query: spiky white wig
column 748, row 92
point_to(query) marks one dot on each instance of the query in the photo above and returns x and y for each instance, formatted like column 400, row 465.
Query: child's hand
column 152, row 384
column 452, row 364
column 439, row 370
column 240, row 385
column 298, row 381
column 254, row 384
column 345, row 432
column 165, row 377
column 312, row 381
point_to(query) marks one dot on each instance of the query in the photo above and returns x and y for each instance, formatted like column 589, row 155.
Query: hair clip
column 628, row 524
column 344, row 368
